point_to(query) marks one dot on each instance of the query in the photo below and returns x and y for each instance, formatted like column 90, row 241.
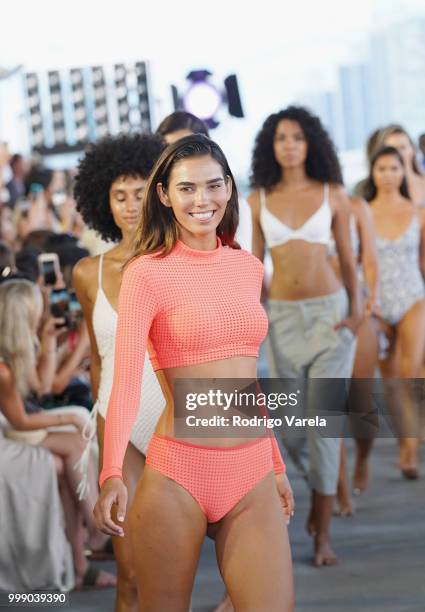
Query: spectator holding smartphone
column 27, row 371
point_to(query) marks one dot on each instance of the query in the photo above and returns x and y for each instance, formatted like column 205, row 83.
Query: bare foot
column 344, row 505
column 225, row 605
column 345, row 508
column 408, row 458
column 323, row 553
column 361, row 476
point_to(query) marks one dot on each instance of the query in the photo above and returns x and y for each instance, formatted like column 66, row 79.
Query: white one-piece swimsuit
column 153, row 402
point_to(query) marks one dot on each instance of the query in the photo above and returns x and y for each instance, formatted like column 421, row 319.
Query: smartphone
column 75, row 310
column 59, row 306
column 48, row 264
column 36, row 188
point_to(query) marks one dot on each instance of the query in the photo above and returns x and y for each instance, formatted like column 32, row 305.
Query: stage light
column 202, row 100
column 203, row 97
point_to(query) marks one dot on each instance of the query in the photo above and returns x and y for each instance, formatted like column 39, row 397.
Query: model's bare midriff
column 233, row 368
column 301, row 270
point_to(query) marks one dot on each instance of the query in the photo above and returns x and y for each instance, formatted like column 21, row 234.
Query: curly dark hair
column 111, row 157
column 321, row 164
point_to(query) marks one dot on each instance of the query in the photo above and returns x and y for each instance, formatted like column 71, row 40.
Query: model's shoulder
column 144, row 266
column 337, row 190
column 6, row 376
column 253, row 200
column 86, row 269
column 359, row 207
column 244, row 257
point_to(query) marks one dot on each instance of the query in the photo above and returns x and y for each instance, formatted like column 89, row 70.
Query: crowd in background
column 38, row 216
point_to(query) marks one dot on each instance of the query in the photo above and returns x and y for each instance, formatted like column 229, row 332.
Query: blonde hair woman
column 27, row 366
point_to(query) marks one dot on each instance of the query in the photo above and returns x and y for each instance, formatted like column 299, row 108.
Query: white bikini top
column 104, row 320
column 317, row 228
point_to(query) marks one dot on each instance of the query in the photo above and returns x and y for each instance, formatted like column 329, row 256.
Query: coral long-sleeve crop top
column 189, row 307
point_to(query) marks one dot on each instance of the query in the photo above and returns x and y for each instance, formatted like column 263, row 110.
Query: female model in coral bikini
column 193, row 298
column 109, row 188
column 297, row 200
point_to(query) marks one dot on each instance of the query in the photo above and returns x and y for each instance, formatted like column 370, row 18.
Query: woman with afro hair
column 297, row 201
column 108, row 190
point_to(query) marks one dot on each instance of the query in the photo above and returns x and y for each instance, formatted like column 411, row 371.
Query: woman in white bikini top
column 296, row 202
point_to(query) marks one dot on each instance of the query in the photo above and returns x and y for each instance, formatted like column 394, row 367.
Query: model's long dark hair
column 321, row 164
column 157, row 231
column 181, row 120
column 369, row 189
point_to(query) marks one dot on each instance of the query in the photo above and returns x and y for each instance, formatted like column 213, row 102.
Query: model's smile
column 203, row 216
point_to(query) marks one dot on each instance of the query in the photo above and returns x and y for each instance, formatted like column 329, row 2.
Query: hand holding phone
column 49, row 268
column 59, row 307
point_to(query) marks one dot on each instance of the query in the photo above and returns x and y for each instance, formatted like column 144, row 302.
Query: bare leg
column 411, row 339
column 73, row 520
column 321, row 512
column 345, row 505
column 409, row 349
column 365, row 363
column 76, row 535
column 361, row 469
column 74, row 528
column 168, row 528
column 253, row 552
column 70, row 446
column 126, row 595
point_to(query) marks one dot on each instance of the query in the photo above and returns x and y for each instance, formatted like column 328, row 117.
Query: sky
column 94, row 31
column 277, row 51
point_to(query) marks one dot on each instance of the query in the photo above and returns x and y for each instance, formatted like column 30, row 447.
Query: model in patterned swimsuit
column 401, row 283
column 401, row 259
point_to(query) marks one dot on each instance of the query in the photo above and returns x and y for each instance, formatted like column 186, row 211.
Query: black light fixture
column 143, row 96
column 203, row 97
column 100, row 113
column 121, row 92
column 34, row 109
column 57, row 107
column 132, row 96
column 78, row 101
column 84, row 104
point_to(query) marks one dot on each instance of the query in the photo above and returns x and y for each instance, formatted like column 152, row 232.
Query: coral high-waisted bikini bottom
column 216, row 477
